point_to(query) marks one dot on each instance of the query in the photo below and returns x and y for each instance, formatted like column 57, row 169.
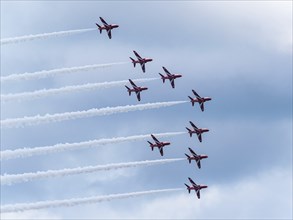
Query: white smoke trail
column 28, row 152
column 43, row 36
column 67, row 89
column 9, row 179
column 20, row 207
column 47, row 73
column 48, row 118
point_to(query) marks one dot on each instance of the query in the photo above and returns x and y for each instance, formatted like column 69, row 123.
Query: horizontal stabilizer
column 188, row 188
column 129, row 91
column 191, row 99
column 189, row 131
column 188, row 157
column 100, row 28
column 163, row 78
column 133, row 61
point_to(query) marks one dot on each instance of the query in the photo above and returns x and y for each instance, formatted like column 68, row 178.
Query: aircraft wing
column 143, row 67
column 109, row 33
column 161, row 151
column 195, row 93
column 192, row 182
column 198, row 193
column 166, row 71
column 138, row 95
column 132, row 83
column 103, row 21
column 137, row 55
column 155, row 139
column 201, row 104
column 172, row 83
column 198, row 163
column 199, row 137
column 191, row 151
column 193, row 125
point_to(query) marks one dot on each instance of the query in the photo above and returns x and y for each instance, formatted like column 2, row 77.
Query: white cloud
column 266, row 195
column 30, row 215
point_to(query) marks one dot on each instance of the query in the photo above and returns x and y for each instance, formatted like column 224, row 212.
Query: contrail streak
column 67, row 89
column 47, row 73
column 48, row 118
column 9, row 179
column 20, row 207
column 43, row 36
column 28, row 152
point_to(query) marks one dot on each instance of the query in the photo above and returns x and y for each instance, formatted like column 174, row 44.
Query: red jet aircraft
column 158, row 144
column 107, row 27
column 169, row 76
column 195, row 187
column 135, row 89
column 140, row 60
column 195, row 157
column 197, row 131
column 200, row 100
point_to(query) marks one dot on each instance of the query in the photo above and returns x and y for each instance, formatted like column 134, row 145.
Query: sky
column 237, row 52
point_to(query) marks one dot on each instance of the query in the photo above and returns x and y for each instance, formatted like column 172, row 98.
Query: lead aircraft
column 195, row 187
column 140, row 60
column 136, row 89
column 170, row 77
column 197, row 131
column 107, row 27
column 195, row 157
column 160, row 145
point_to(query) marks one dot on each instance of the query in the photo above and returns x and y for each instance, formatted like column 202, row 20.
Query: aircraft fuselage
column 201, row 100
column 201, row 130
column 161, row 144
column 143, row 60
column 109, row 27
column 139, row 89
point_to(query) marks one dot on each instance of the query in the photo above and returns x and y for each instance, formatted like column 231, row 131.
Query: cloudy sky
column 238, row 53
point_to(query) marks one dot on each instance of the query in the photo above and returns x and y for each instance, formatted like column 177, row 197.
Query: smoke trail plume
column 48, row 118
column 47, row 73
column 67, row 89
column 28, row 152
column 13, row 40
column 79, row 201
column 9, row 179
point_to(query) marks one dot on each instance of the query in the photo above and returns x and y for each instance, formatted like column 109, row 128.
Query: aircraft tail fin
column 133, row 61
column 129, row 91
column 162, row 77
column 188, row 188
column 189, row 131
column 191, row 99
column 188, row 157
column 100, row 28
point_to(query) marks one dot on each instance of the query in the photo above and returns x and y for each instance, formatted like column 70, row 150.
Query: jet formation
column 171, row 77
